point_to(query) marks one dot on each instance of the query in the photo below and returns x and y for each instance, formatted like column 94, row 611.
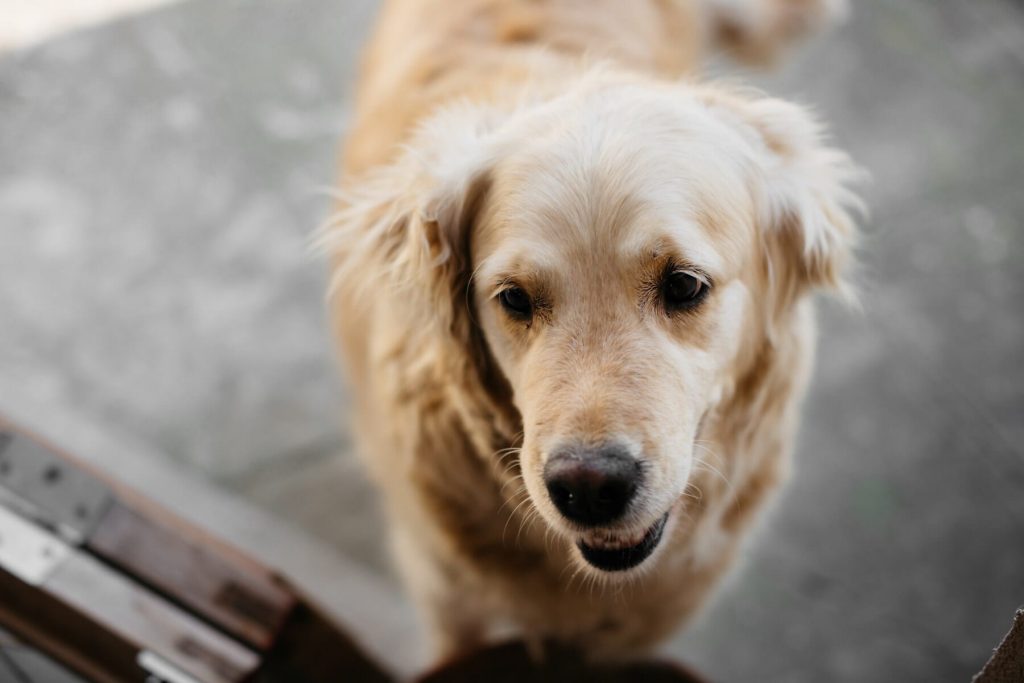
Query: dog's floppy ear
column 405, row 229
column 802, row 191
column 405, row 225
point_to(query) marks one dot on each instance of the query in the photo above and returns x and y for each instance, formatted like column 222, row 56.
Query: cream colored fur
column 553, row 145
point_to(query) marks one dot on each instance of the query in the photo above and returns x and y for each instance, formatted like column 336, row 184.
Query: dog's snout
column 592, row 486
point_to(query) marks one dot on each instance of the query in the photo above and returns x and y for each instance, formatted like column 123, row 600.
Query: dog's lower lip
column 621, row 559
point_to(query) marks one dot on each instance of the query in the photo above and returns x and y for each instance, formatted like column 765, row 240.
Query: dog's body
column 514, row 150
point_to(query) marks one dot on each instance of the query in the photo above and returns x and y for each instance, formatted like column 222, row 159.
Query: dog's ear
column 405, row 225
column 405, row 228
column 802, row 191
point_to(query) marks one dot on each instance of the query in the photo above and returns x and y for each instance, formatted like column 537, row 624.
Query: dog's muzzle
column 612, row 553
column 593, row 488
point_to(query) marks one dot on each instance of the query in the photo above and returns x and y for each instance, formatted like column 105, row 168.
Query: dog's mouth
column 613, row 552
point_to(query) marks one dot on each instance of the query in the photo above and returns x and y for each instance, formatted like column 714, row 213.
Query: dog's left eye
column 681, row 290
column 516, row 303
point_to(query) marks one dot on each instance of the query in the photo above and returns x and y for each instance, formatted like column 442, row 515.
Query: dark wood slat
column 227, row 589
column 1007, row 662
column 312, row 649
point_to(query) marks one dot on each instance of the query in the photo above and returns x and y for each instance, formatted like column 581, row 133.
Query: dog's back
column 427, row 53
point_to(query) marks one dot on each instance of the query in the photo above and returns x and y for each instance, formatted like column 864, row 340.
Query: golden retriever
column 571, row 290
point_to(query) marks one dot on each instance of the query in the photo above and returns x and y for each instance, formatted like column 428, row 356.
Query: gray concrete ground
column 158, row 178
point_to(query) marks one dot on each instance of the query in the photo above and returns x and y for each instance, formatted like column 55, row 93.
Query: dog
column 571, row 287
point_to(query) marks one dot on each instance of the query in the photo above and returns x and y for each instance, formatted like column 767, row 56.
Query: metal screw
column 52, row 474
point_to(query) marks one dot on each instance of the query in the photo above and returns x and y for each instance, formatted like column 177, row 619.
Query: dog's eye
column 516, row 303
column 681, row 290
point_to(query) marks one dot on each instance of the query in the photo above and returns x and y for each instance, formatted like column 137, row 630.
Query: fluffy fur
column 551, row 144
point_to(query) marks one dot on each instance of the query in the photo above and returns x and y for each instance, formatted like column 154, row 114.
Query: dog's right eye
column 681, row 290
column 516, row 303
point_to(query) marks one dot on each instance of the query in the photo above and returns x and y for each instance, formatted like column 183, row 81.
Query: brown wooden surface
column 120, row 610
column 1007, row 662
column 143, row 579
column 313, row 650
column 242, row 598
column 149, row 622
column 97, row 622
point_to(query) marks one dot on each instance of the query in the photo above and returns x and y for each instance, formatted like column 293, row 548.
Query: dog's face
column 618, row 250
column 609, row 261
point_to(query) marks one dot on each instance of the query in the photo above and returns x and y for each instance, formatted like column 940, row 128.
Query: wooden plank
column 150, row 622
column 242, row 598
column 1007, row 662
column 98, row 623
column 143, row 580
column 188, row 566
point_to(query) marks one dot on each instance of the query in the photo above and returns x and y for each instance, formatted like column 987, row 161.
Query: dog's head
column 603, row 260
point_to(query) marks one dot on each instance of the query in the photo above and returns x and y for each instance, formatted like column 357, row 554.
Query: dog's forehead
column 605, row 184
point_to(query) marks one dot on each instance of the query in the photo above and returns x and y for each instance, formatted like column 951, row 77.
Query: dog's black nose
column 592, row 486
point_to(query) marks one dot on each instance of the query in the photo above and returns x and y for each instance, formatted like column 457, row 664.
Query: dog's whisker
column 698, row 497
column 512, row 515
column 549, row 539
column 531, row 517
column 570, row 583
column 507, row 453
column 513, row 498
column 511, row 467
column 512, row 480
column 711, row 468
column 517, row 494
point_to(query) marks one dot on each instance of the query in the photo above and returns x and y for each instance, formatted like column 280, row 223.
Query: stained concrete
column 158, row 179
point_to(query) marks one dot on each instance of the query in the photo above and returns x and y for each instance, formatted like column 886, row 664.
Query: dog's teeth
column 603, row 540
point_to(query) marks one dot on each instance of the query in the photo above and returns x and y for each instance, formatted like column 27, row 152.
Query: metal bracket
column 160, row 670
column 43, row 487
column 28, row 552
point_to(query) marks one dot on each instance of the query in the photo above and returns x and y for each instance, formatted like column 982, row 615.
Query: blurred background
column 162, row 165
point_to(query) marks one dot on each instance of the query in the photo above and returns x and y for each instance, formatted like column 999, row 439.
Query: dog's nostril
column 592, row 486
column 613, row 491
column 561, row 494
